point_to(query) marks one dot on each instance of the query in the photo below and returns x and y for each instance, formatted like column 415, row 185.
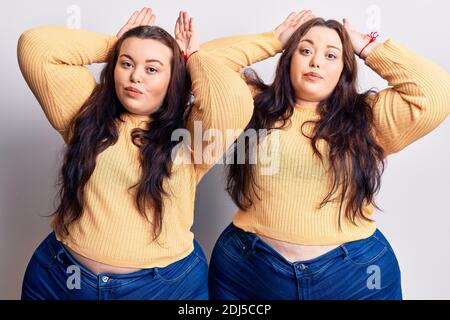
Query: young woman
column 304, row 230
column 122, row 229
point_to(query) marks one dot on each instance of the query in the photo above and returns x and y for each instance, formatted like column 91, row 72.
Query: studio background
column 415, row 189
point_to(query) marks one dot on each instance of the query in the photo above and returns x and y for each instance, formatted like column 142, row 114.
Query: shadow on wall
column 213, row 209
column 29, row 171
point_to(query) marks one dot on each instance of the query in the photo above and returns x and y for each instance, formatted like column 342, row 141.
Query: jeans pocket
column 45, row 254
column 234, row 246
column 366, row 251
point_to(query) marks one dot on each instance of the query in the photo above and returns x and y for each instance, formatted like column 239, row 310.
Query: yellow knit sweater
column 111, row 230
column 416, row 102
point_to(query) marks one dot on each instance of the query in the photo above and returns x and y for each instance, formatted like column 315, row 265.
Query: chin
column 138, row 112
column 310, row 96
column 132, row 110
column 141, row 111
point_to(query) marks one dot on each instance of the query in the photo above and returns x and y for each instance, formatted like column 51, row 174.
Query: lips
column 313, row 76
column 133, row 90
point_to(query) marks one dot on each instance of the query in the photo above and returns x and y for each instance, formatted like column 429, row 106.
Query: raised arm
column 52, row 61
column 418, row 98
column 223, row 103
column 417, row 102
column 238, row 52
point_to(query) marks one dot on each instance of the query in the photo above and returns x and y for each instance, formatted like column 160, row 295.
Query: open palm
column 144, row 17
column 294, row 20
column 185, row 34
column 359, row 40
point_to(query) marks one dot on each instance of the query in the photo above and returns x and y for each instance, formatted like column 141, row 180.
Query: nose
column 314, row 63
column 136, row 76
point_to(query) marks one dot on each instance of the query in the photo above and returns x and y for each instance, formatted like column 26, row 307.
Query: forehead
column 323, row 36
column 146, row 49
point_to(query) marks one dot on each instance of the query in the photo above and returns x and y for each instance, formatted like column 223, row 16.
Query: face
column 317, row 64
column 142, row 75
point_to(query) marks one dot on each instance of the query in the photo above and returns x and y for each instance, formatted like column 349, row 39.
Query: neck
column 136, row 119
column 305, row 104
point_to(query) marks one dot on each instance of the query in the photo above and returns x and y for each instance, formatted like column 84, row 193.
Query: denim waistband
column 63, row 255
column 311, row 266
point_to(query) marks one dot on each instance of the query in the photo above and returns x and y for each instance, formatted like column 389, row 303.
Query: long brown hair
column 95, row 129
column 345, row 123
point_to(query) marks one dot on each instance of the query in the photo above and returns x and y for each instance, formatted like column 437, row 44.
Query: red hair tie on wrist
column 186, row 56
column 373, row 36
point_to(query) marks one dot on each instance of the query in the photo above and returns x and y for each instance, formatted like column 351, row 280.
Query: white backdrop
column 415, row 189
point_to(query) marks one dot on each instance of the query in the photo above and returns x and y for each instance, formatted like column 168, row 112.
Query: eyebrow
column 148, row 60
column 328, row 46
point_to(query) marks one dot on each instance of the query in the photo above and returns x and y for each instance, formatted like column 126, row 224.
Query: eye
column 151, row 70
column 305, row 51
column 126, row 64
column 331, row 56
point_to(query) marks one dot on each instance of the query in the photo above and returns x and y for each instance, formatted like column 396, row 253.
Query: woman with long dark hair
column 126, row 201
column 304, row 228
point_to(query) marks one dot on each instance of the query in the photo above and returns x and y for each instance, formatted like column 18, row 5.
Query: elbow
column 32, row 36
column 23, row 45
column 31, row 43
column 36, row 40
column 437, row 96
column 437, row 108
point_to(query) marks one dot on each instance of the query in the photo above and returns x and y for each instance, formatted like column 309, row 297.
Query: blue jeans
column 53, row 273
column 244, row 267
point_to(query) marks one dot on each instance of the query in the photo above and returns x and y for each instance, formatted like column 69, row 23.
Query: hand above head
column 186, row 34
column 144, row 17
column 294, row 20
column 360, row 42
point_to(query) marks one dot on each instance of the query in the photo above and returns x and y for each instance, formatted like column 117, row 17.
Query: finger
column 141, row 16
column 152, row 20
column 181, row 22
column 308, row 17
column 298, row 19
column 121, row 32
column 301, row 15
column 291, row 16
column 186, row 21
column 177, row 27
column 192, row 25
column 147, row 17
column 309, row 13
column 132, row 19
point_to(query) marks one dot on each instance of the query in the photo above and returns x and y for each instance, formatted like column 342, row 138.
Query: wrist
column 189, row 54
column 280, row 38
column 277, row 34
column 370, row 45
column 368, row 50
